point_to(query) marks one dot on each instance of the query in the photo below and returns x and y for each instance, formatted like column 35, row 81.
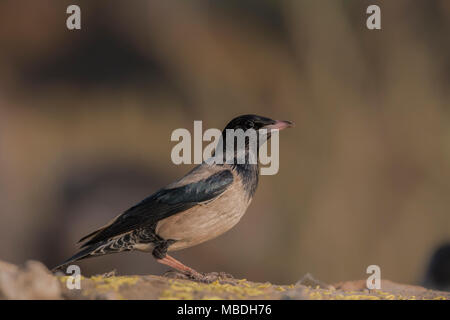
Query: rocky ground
column 35, row 281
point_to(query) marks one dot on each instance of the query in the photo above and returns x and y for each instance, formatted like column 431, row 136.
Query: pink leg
column 171, row 262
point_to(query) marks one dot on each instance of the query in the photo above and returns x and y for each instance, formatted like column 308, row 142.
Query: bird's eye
column 249, row 124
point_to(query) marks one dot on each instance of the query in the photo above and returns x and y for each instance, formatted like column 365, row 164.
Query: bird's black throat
column 249, row 170
column 249, row 174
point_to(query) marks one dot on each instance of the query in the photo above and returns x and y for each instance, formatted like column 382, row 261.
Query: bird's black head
column 251, row 121
column 262, row 127
column 248, row 169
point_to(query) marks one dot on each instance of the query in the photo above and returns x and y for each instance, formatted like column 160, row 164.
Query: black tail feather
column 89, row 235
column 83, row 254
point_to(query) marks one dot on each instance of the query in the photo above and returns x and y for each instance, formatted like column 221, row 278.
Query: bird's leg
column 160, row 253
column 173, row 263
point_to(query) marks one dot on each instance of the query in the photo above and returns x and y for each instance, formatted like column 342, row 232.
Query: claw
column 213, row 276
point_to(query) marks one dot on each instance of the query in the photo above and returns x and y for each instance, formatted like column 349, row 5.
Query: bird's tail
column 83, row 254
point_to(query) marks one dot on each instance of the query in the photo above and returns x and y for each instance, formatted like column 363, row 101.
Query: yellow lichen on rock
column 114, row 282
column 35, row 281
column 241, row 289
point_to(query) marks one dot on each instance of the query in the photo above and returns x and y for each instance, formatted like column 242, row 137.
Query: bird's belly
column 203, row 222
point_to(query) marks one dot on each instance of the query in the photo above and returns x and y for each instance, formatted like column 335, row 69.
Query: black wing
column 163, row 204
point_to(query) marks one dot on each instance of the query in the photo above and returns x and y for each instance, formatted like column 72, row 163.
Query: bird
column 205, row 203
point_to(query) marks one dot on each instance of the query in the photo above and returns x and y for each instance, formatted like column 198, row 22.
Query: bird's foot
column 173, row 274
column 190, row 275
column 200, row 277
column 213, row 276
column 184, row 275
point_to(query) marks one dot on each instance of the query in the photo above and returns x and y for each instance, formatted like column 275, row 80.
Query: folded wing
column 164, row 203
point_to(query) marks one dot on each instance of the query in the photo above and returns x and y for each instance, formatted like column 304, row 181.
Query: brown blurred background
column 86, row 118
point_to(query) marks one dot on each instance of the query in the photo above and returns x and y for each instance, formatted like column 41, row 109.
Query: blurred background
column 86, row 118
